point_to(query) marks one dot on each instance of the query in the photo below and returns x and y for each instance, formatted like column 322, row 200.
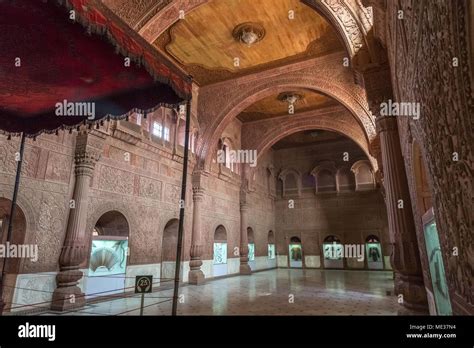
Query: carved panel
column 423, row 70
column 150, row 188
column 59, row 167
column 116, row 180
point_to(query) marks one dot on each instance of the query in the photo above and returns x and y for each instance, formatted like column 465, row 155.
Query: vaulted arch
column 263, row 135
column 229, row 103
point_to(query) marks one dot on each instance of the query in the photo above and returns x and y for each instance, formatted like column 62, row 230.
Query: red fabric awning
column 48, row 60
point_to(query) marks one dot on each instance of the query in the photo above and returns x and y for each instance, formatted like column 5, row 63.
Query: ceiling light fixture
column 290, row 97
column 248, row 33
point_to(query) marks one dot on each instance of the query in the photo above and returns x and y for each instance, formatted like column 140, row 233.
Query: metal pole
column 142, row 304
column 181, row 210
column 12, row 214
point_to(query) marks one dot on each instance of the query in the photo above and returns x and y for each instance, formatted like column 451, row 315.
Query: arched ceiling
column 306, row 138
column 203, row 43
column 273, row 106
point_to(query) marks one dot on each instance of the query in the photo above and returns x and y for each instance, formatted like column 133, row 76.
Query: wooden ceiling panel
column 271, row 106
column 203, row 42
column 306, row 138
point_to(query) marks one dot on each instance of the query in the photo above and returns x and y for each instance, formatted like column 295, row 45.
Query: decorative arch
column 345, row 179
column 219, row 254
column 169, row 241
column 283, row 177
column 220, row 233
column 107, row 207
column 332, row 238
column 334, row 119
column 353, row 23
column 226, row 144
column 323, row 172
column 112, row 223
column 364, row 175
column 271, row 237
column 98, row 213
column 19, row 233
column 24, row 204
column 332, row 250
column 350, row 19
column 225, row 108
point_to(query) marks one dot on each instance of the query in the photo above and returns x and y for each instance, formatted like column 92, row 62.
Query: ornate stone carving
column 422, row 67
column 67, row 294
column 135, row 12
column 196, row 276
column 405, row 256
column 219, row 105
column 115, row 180
column 150, row 188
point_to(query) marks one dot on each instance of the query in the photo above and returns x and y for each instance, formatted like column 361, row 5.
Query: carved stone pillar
column 405, row 256
column 196, row 276
column 244, row 244
column 67, row 294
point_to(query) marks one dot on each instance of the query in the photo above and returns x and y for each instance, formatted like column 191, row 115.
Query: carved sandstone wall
column 351, row 216
column 424, row 71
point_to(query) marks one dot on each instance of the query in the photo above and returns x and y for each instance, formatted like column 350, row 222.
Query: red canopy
column 48, row 61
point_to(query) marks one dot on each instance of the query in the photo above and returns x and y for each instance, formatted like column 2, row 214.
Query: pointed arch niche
column 364, row 176
column 291, row 179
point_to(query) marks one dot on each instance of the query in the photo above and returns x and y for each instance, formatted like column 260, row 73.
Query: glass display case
column 251, row 252
column 373, row 251
column 107, row 266
column 295, row 253
column 271, row 251
column 333, row 252
column 220, row 253
column 436, row 265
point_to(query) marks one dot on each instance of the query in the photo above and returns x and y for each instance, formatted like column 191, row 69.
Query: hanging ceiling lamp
column 248, row 33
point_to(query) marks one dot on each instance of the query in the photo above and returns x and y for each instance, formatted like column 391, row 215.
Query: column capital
column 199, row 179
column 89, row 147
column 198, row 194
column 386, row 124
column 85, row 163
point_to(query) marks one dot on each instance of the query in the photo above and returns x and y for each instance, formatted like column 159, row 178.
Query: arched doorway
column 440, row 295
column 13, row 264
column 333, row 252
column 17, row 237
column 373, row 250
column 108, row 256
column 271, row 246
column 251, row 245
column 272, row 261
column 220, row 251
column 168, row 251
column 295, row 255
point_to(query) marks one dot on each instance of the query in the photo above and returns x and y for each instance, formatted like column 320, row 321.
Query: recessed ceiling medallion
column 290, row 97
column 248, row 33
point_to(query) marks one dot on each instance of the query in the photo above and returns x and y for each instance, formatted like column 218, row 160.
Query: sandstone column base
column 245, row 270
column 414, row 295
column 68, row 298
column 196, row 277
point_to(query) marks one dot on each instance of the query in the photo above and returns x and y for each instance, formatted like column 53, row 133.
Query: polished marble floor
column 273, row 292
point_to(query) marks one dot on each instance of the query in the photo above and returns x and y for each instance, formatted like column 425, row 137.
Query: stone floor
column 273, row 292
